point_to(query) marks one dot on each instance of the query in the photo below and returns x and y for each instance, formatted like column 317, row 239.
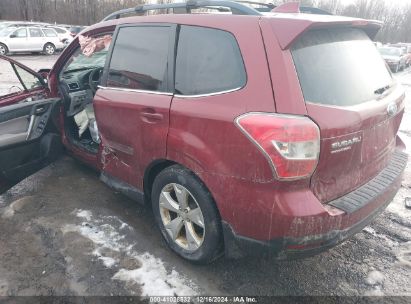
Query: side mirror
column 44, row 73
column 13, row 36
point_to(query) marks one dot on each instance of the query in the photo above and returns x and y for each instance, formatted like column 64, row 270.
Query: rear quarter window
column 208, row 61
column 50, row 33
column 340, row 67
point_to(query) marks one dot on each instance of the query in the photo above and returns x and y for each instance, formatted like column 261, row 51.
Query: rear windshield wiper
column 381, row 91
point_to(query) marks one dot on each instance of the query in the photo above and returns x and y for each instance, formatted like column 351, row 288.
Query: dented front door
column 132, row 106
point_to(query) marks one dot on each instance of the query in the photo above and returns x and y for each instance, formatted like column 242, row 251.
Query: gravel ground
column 66, row 233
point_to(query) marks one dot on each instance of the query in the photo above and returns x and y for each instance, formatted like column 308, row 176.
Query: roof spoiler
column 290, row 7
column 285, row 39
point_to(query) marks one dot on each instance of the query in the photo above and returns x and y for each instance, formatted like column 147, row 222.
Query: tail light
column 291, row 144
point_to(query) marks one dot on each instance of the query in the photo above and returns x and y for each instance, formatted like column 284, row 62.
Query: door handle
column 152, row 116
column 40, row 110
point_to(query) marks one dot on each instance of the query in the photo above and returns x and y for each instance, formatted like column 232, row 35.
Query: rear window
column 59, row 30
column 339, row 67
column 50, row 33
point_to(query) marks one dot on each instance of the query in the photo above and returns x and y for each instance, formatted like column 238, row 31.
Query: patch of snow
column 375, row 292
column 374, row 233
column 109, row 262
column 397, row 206
column 153, row 277
column 124, row 225
column 84, row 214
column 404, row 254
column 370, row 230
column 8, row 212
column 374, row 278
column 16, row 206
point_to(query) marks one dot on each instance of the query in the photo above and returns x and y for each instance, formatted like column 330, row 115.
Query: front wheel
column 186, row 215
column 49, row 49
column 3, row 49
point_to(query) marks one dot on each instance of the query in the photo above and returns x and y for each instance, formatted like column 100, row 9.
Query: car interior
column 78, row 83
column 28, row 137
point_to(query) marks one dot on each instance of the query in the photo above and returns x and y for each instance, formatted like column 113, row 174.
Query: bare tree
column 396, row 17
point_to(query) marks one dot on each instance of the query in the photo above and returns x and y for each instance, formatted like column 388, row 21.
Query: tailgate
column 353, row 98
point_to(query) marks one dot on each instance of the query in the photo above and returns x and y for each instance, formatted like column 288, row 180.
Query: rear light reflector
column 290, row 143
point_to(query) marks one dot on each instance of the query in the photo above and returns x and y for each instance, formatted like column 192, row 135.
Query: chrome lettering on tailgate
column 344, row 145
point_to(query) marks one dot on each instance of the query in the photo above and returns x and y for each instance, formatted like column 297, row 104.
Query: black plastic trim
column 359, row 198
column 118, row 185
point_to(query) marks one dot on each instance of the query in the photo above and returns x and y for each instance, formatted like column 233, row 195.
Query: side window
column 15, row 79
column 58, row 30
column 34, row 32
column 50, row 33
column 20, row 33
column 28, row 80
column 208, row 61
column 10, row 83
column 139, row 59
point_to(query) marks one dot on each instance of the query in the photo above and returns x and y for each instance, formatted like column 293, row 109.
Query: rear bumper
column 345, row 217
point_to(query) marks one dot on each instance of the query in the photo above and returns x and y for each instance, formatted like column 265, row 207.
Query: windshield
column 91, row 54
column 6, row 31
column 390, row 51
column 339, row 67
column 81, row 62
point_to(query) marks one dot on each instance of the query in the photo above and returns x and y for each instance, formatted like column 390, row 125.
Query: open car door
column 29, row 139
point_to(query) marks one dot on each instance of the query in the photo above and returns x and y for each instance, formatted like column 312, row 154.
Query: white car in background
column 63, row 34
column 29, row 39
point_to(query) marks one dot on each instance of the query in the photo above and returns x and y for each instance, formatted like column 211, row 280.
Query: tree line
column 396, row 17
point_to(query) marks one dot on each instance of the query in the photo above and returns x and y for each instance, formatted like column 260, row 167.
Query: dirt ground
column 63, row 232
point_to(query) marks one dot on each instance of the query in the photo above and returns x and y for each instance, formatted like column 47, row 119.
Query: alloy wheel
column 2, row 50
column 49, row 49
column 182, row 217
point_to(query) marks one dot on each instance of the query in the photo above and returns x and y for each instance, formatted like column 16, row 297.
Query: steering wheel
column 94, row 79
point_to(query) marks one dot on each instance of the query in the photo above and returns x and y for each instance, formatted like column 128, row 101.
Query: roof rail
column 236, row 8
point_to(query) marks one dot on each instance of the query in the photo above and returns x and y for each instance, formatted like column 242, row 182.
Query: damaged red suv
column 246, row 133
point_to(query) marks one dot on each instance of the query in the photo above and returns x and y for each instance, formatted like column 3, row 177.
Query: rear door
column 132, row 105
column 352, row 96
column 36, row 39
column 28, row 137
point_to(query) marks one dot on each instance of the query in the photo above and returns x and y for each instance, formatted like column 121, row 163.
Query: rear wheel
column 49, row 49
column 186, row 215
column 3, row 49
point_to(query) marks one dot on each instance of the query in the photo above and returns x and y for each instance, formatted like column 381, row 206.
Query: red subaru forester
column 247, row 132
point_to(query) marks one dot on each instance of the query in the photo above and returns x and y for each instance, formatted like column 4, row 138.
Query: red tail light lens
column 291, row 144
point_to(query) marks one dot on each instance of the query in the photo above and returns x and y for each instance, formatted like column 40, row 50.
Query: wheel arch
column 150, row 174
column 156, row 167
column 6, row 46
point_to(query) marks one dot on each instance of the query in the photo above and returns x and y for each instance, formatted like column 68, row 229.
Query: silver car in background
column 29, row 39
column 395, row 57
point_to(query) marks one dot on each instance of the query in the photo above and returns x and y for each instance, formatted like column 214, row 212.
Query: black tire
column 3, row 49
column 212, row 245
column 49, row 49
